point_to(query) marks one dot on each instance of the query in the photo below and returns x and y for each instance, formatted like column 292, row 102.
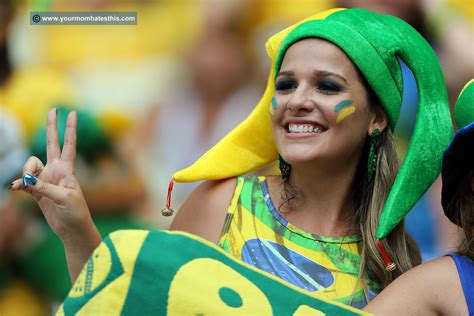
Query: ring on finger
column 39, row 171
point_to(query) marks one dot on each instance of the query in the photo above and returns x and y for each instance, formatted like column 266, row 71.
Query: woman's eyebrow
column 319, row 73
column 286, row 73
column 323, row 73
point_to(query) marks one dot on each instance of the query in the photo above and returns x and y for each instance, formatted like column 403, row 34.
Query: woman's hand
column 59, row 195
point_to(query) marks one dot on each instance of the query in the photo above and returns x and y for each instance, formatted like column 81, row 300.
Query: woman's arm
column 432, row 288
column 204, row 211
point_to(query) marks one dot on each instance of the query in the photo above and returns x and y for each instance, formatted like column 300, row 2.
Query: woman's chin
column 295, row 158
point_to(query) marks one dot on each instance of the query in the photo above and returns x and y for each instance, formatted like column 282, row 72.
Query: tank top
column 256, row 233
column 465, row 267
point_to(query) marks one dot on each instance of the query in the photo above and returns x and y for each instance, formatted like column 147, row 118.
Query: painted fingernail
column 29, row 179
column 10, row 186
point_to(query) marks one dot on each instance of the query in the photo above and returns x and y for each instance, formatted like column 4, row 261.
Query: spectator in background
column 16, row 297
column 221, row 91
column 28, row 249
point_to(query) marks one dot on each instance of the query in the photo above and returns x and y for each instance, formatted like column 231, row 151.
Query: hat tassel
column 389, row 264
column 168, row 211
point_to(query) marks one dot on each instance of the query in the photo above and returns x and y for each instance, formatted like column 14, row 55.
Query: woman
column 334, row 97
column 444, row 286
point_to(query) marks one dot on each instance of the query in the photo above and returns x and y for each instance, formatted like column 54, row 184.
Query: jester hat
column 458, row 158
column 376, row 44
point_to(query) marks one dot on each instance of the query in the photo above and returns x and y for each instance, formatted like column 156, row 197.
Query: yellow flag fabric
column 141, row 272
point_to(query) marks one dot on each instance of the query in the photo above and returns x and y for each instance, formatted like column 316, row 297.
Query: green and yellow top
column 256, row 233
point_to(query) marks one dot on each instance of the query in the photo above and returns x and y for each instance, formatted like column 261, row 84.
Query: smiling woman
column 332, row 101
column 331, row 223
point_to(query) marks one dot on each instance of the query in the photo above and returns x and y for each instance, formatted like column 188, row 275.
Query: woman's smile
column 320, row 105
column 303, row 129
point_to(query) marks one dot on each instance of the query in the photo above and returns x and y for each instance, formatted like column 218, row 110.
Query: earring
column 372, row 160
column 285, row 168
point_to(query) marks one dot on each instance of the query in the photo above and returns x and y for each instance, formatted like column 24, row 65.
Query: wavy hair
column 463, row 208
column 369, row 198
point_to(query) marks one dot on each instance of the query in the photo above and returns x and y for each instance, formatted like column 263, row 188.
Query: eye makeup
column 285, row 85
column 326, row 86
column 321, row 83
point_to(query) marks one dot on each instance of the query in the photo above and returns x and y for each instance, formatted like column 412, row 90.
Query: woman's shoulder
column 442, row 276
column 423, row 289
column 203, row 213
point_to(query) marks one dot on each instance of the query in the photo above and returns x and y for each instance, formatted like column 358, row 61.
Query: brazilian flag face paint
column 274, row 106
column 343, row 110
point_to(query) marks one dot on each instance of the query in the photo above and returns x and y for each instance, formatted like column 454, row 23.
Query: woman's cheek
column 276, row 107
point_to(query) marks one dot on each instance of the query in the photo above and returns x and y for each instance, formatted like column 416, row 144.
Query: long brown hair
column 369, row 198
column 462, row 206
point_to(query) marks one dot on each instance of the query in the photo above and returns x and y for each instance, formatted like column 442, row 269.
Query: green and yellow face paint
column 274, row 105
column 343, row 110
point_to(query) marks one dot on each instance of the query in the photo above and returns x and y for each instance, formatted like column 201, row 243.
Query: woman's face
column 320, row 105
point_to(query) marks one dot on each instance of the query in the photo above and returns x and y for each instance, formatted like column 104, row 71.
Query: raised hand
column 59, row 195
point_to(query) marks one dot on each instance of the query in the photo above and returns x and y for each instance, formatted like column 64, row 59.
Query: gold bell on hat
column 391, row 267
column 167, row 211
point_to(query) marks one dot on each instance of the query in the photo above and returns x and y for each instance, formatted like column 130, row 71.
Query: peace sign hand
column 58, row 193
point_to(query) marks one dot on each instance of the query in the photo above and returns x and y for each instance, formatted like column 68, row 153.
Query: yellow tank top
column 256, row 233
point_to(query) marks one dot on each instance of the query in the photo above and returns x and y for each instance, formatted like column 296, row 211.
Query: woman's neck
column 323, row 201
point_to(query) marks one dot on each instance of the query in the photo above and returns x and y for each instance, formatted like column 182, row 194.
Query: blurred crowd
column 153, row 97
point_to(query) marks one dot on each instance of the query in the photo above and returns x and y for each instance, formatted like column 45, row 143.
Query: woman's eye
column 328, row 87
column 285, row 85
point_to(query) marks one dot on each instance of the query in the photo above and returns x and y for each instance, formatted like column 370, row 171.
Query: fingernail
column 10, row 186
column 29, row 179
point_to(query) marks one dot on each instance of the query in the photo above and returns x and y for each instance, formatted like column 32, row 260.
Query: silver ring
column 39, row 172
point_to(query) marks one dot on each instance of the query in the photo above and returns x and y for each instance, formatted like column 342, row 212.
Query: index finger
column 69, row 149
column 52, row 145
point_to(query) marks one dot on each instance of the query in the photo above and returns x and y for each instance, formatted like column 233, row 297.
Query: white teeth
column 303, row 128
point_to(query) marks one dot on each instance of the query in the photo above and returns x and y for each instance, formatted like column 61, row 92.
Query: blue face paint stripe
column 341, row 105
column 274, row 103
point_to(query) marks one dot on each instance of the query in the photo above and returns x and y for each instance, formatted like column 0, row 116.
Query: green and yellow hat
column 377, row 44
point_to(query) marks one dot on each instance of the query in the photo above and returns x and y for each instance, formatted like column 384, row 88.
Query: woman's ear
column 379, row 120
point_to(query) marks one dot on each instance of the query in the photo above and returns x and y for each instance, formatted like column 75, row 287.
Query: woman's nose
column 301, row 100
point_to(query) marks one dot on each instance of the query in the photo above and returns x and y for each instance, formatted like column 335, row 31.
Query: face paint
column 274, row 103
column 344, row 109
column 341, row 105
column 274, row 106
